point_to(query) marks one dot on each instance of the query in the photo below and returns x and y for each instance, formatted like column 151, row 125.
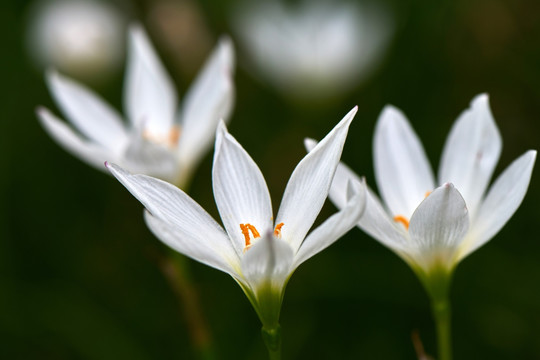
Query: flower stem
column 272, row 339
column 174, row 267
column 441, row 313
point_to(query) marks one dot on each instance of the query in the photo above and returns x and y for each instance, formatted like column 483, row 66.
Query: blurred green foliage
column 78, row 274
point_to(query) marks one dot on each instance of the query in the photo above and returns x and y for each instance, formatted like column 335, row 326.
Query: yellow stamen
column 277, row 230
column 401, row 219
column 246, row 228
column 427, row 194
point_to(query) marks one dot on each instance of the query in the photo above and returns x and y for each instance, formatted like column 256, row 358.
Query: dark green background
column 77, row 265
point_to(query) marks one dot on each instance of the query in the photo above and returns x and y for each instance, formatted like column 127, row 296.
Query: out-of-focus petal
column 173, row 207
column 501, row 202
column 196, row 246
column 471, row 152
column 209, row 100
column 239, row 189
column 439, row 225
column 402, row 169
column 93, row 117
column 91, row 153
column 150, row 98
column 309, row 184
column 335, row 226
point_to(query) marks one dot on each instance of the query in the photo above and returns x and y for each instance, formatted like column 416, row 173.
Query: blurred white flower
column 433, row 227
column 155, row 141
column 260, row 253
column 79, row 37
column 316, row 49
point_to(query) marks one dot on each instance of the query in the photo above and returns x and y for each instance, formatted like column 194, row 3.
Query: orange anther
column 402, row 220
column 427, row 194
column 246, row 228
column 277, row 230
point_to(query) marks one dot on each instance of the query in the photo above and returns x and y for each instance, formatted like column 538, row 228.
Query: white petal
column 181, row 214
column 209, row 100
column 239, row 189
column 376, row 222
column 268, row 260
column 309, row 184
column 401, row 167
column 198, row 247
column 471, row 152
column 438, row 225
column 93, row 154
column 502, row 201
column 150, row 98
column 93, row 117
column 334, row 227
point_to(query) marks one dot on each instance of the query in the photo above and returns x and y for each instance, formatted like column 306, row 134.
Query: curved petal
column 438, row 226
column 93, row 117
column 198, row 248
column 401, row 167
column 309, row 184
column 180, row 213
column 93, row 154
column 239, row 189
column 209, row 100
column 502, row 201
column 268, row 260
column 471, row 152
column 335, row 226
column 150, row 98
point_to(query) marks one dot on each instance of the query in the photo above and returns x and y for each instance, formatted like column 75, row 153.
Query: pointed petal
column 149, row 95
column 401, row 167
column 239, row 189
column 335, row 226
column 199, row 248
column 471, row 152
column 181, row 215
column 209, row 100
column 93, row 117
column 439, row 225
column 268, row 260
column 309, row 184
column 502, row 201
column 91, row 153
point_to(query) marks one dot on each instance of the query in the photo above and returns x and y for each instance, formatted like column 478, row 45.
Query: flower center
column 246, row 228
column 170, row 140
column 403, row 220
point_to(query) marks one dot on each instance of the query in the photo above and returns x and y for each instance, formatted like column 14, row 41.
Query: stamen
column 169, row 140
column 246, row 228
column 427, row 194
column 277, row 230
column 401, row 219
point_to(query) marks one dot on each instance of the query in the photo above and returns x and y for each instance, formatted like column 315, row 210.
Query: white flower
column 82, row 37
column 432, row 227
column 314, row 49
column 258, row 252
column 155, row 140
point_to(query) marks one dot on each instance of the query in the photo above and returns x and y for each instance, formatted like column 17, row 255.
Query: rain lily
column 432, row 227
column 81, row 37
column 313, row 48
column 155, row 140
column 259, row 253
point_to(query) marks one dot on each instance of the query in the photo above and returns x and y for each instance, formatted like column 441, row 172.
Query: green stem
column 441, row 313
column 175, row 269
column 272, row 339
